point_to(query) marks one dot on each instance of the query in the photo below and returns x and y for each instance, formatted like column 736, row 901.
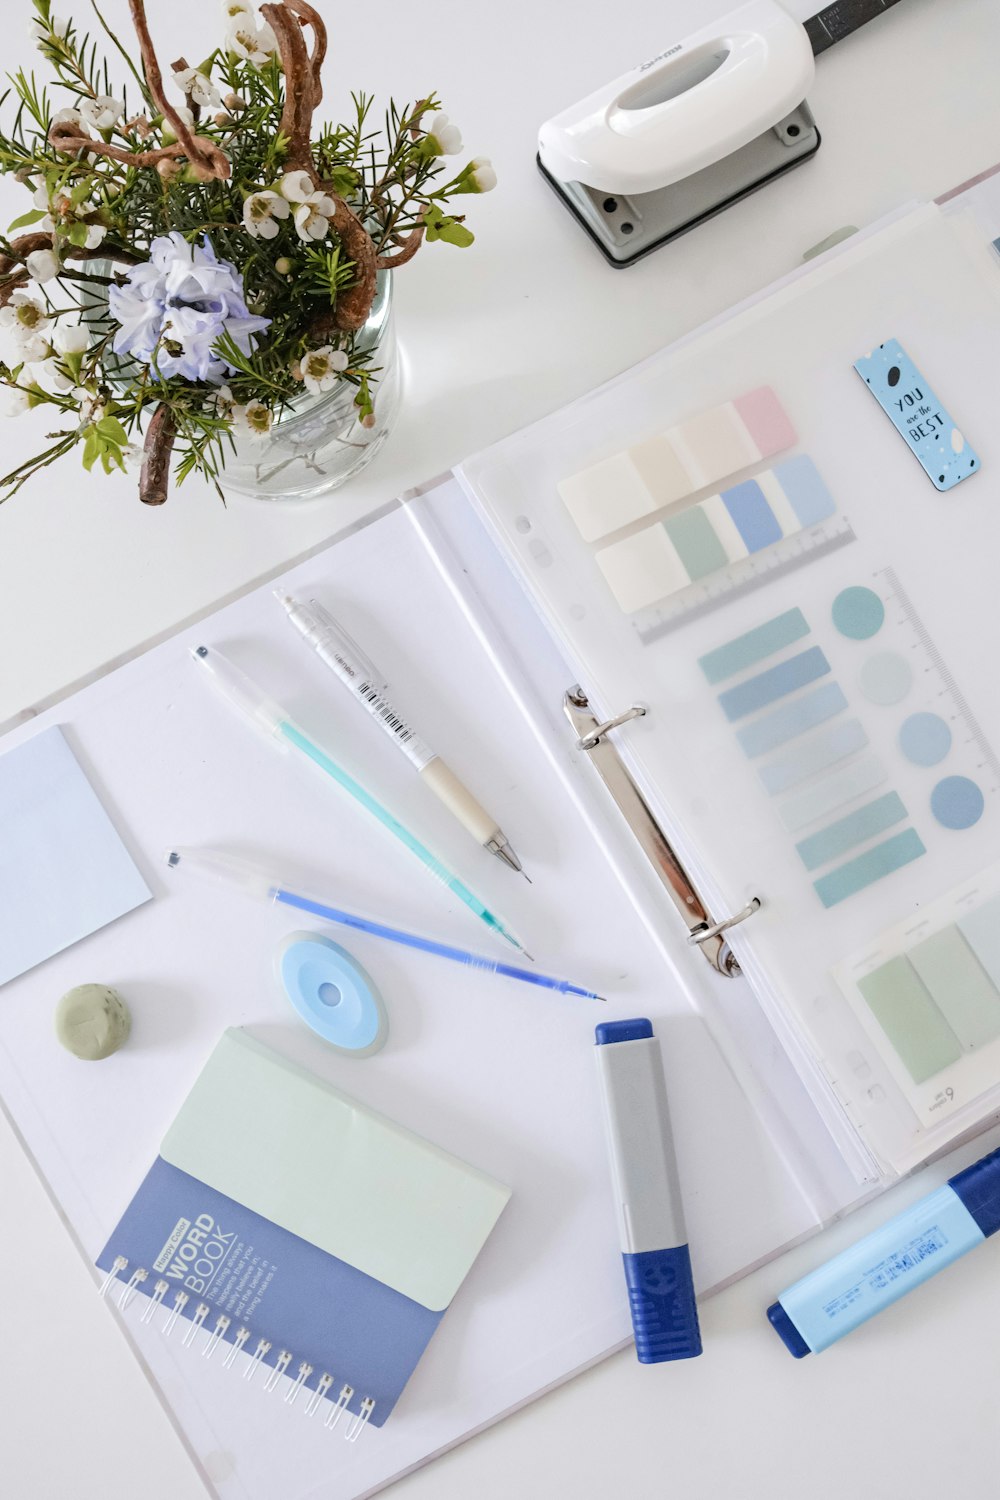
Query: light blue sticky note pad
column 915, row 411
column 64, row 872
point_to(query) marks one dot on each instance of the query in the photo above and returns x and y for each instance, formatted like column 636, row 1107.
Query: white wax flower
column 320, row 368
column 482, row 174
column 256, row 44
column 95, row 236
column 91, row 406
column 102, row 112
column 296, row 187
column 445, row 136
column 13, row 402
column 261, row 213
column 256, row 419
column 56, row 27
column 198, row 86
column 43, row 265
column 233, row 10
column 27, row 320
column 312, row 217
column 71, row 338
column 45, row 373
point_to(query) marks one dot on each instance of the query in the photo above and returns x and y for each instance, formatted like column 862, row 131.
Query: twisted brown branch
column 204, row 155
column 302, row 94
column 407, row 249
column 13, row 267
column 310, row 17
column 154, row 476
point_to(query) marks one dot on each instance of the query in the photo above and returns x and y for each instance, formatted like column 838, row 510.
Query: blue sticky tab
column 915, row 411
column 661, row 1299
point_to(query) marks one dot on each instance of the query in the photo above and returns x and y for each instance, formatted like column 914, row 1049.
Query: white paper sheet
column 494, row 1071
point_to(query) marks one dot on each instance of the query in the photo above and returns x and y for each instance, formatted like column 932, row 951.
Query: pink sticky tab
column 766, row 420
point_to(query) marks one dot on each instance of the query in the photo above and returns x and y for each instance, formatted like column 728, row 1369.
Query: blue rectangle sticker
column 915, row 411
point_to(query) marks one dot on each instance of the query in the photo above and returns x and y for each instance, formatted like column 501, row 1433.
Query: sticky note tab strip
column 690, row 456
column 708, row 536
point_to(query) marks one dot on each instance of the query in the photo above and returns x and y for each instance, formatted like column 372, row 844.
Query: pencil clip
column 592, row 736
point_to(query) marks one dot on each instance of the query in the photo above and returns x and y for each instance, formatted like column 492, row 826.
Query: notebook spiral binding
column 242, row 1338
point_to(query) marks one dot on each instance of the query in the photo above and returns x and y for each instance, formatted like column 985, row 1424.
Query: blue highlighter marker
column 885, row 1265
column 647, row 1192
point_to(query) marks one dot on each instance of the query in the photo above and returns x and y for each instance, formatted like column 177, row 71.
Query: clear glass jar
column 318, row 444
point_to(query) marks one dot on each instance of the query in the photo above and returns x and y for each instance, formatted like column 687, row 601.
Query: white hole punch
column 684, row 134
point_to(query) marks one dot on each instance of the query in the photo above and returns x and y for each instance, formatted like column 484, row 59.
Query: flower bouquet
column 199, row 256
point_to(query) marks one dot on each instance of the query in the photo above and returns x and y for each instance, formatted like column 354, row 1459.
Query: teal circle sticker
column 925, row 739
column 957, row 802
column 858, row 613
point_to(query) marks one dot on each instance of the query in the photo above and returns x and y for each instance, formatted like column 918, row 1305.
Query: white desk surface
column 493, row 338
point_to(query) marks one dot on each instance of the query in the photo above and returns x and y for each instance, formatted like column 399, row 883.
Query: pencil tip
column 527, row 876
column 527, row 955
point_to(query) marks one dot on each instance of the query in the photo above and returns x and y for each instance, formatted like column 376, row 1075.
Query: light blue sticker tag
column 904, row 395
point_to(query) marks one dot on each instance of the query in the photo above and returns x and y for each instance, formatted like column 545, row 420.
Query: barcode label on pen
column 906, row 1260
column 419, row 753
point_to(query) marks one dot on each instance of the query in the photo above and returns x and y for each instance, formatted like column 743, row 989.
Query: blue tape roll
column 332, row 993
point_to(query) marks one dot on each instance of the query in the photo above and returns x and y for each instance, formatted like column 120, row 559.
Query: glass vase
column 318, row 443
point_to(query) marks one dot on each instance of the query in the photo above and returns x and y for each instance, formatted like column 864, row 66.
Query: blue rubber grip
column 664, row 1312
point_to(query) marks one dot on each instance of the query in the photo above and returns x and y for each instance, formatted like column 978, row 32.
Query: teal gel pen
column 272, row 719
column 885, row 1265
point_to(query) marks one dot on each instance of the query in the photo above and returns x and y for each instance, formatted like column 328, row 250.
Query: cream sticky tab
column 714, row 443
column 642, row 569
column 692, row 455
column 607, row 496
column 294, row 1149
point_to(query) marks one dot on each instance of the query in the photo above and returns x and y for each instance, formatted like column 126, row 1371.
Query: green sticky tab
column 906, row 1013
column 697, row 545
column 865, row 869
column 959, row 985
column 756, row 645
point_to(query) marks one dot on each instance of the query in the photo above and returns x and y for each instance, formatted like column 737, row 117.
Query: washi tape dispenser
column 683, row 136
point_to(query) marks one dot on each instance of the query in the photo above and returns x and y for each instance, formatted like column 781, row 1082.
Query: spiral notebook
column 303, row 1229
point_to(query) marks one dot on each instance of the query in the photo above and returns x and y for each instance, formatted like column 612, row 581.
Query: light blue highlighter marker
column 885, row 1265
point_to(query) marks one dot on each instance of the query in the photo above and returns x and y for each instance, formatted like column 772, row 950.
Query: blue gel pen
column 885, row 1265
column 647, row 1193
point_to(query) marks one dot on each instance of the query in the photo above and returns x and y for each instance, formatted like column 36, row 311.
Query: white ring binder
column 216, row 1335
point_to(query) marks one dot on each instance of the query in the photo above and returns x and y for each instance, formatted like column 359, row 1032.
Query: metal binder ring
column 705, row 934
column 596, row 735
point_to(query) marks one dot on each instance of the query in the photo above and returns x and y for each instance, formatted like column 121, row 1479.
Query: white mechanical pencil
column 344, row 658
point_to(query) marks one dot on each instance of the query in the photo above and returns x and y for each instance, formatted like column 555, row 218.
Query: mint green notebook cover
column 297, row 1151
